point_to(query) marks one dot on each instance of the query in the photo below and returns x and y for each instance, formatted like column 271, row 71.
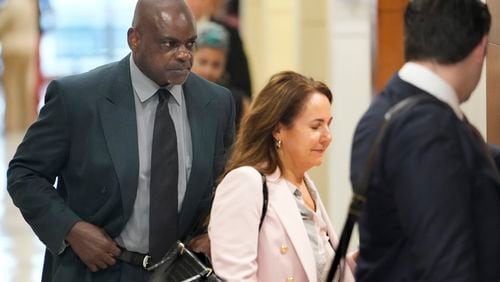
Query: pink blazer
column 281, row 251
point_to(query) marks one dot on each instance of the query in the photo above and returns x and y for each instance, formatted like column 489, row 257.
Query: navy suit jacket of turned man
column 433, row 201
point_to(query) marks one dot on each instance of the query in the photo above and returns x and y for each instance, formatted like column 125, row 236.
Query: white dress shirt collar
column 425, row 79
column 146, row 88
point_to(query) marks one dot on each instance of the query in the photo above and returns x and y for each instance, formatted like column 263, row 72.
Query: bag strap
column 360, row 188
column 169, row 257
column 265, row 193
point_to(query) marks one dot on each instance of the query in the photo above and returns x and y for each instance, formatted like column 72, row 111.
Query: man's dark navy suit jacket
column 433, row 208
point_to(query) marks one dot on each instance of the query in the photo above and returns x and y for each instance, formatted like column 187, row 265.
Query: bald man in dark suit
column 95, row 134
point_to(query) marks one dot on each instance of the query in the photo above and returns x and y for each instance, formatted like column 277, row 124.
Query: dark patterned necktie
column 163, row 186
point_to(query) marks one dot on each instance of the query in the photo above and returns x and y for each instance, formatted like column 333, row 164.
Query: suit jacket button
column 283, row 249
column 290, row 279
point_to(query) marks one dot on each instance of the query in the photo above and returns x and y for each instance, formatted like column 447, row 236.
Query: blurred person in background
column 212, row 46
column 232, row 13
column 19, row 35
column 46, row 18
column 286, row 133
column 237, row 73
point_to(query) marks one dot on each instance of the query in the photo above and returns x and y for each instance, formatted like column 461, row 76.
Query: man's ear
column 481, row 48
column 133, row 39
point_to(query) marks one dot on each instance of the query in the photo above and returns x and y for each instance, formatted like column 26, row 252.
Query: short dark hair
column 444, row 30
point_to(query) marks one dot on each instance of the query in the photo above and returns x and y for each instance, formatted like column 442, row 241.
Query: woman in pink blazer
column 285, row 134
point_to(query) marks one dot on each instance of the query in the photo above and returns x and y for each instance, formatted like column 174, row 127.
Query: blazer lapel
column 202, row 127
column 284, row 205
column 118, row 119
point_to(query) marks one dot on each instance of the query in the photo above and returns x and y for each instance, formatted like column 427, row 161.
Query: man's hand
column 92, row 245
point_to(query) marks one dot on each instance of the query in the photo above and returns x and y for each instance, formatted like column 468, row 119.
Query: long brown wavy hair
column 280, row 101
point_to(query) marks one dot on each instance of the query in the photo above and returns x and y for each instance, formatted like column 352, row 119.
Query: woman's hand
column 352, row 260
column 200, row 244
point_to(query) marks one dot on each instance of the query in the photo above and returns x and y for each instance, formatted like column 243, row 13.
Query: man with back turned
column 433, row 201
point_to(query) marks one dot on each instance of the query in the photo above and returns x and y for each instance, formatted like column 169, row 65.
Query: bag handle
column 265, row 193
column 360, row 188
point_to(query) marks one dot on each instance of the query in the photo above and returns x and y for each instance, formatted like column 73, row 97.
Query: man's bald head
column 161, row 38
column 146, row 9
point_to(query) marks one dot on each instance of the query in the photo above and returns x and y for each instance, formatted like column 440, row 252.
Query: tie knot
column 163, row 95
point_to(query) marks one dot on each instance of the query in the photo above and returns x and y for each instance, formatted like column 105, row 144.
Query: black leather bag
column 181, row 264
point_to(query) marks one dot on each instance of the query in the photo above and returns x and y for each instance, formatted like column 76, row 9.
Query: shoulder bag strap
column 266, row 200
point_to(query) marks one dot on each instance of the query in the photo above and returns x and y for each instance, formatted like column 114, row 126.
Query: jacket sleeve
column 495, row 151
column 234, row 225
column 33, row 171
column 229, row 130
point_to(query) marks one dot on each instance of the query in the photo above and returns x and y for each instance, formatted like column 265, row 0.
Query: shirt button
column 283, row 249
column 290, row 279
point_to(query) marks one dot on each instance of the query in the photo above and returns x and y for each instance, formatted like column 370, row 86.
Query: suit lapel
column 202, row 138
column 284, row 204
column 118, row 119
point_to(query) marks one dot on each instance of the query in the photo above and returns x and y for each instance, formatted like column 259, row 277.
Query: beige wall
column 493, row 68
column 269, row 34
column 285, row 34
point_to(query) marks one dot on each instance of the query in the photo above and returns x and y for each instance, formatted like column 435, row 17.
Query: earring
column 277, row 143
